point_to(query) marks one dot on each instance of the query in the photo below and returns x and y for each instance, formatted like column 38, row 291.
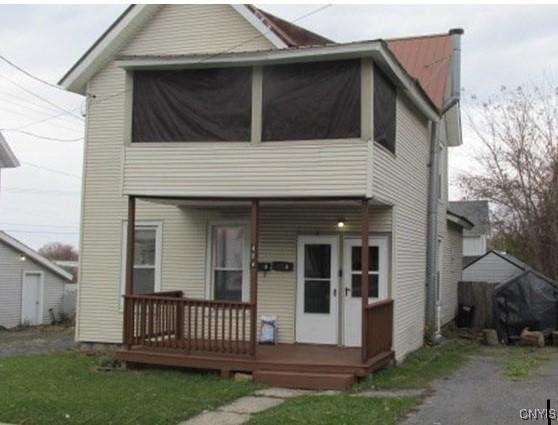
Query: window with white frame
column 228, row 262
column 147, row 252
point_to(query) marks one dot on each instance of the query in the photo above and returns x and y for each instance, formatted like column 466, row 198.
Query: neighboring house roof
column 509, row 258
column 477, row 212
column 464, row 222
column 425, row 58
column 34, row 255
column 7, row 157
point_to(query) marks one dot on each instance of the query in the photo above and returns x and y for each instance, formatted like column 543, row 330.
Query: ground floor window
column 147, row 253
column 228, row 262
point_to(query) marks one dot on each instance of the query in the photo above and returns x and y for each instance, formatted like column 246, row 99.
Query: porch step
column 313, row 381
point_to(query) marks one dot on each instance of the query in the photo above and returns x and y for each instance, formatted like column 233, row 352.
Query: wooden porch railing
column 167, row 320
column 379, row 328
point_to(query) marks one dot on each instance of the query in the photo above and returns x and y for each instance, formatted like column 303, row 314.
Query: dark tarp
column 192, row 105
column 384, row 110
column 529, row 300
column 305, row 101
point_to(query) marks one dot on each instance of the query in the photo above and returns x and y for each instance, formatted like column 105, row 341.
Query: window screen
column 311, row 101
column 144, row 259
column 384, row 110
column 192, row 105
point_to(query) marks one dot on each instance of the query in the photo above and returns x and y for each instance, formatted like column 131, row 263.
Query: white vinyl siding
column 474, row 245
column 490, row 268
column 402, row 179
column 451, row 266
column 318, row 168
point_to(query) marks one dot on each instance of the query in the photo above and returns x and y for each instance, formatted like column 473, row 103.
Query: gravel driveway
column 480, row 394
column 36, row 340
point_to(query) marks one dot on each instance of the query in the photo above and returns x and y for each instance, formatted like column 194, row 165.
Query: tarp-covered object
column 529, row 300
column 305, row 101
column 195, row 105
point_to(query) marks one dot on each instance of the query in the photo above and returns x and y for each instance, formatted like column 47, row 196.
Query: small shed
column 31, row 286
column 529, row 300
column 493, row 267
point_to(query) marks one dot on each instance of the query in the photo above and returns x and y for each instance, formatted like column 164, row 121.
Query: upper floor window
column 194, row 105
column 384, row 110
column 305, row 101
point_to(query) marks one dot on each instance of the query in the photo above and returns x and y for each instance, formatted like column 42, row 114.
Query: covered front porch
column 170, row 328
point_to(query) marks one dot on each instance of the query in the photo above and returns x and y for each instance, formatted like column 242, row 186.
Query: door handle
column 334, row 292
column 347, row 290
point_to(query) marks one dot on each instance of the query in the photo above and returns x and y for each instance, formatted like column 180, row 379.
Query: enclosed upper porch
column 307, row 273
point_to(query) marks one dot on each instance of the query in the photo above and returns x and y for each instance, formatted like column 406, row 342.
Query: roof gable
column 7, row 157
column 505, row 257
column 34, row 255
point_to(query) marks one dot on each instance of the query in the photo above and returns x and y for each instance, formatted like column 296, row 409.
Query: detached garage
column 31, row 287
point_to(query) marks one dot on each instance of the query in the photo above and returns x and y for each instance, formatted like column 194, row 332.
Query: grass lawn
column 422, row 366
column 336, row 410
column 59, row 389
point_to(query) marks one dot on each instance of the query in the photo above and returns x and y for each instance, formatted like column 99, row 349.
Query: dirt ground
column 36, row 340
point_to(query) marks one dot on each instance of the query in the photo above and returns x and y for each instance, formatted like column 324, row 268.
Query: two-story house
column 237, row 165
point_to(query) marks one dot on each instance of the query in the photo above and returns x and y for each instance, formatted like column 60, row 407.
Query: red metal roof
column 426, row 58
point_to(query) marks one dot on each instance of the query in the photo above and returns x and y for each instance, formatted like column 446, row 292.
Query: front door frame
column 41, row 294
column 333, row 241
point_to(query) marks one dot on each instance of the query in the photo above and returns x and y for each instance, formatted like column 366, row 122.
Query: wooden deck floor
column 290, row 365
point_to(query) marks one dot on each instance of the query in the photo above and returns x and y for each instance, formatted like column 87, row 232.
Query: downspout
column 433, row 333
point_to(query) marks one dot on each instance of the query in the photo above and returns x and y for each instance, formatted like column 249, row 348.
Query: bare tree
column 518, row 165
column 59, row 251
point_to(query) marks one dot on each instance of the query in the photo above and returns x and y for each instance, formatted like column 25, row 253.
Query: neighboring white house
column 293, row 153
column 31, row 287
column 493, row 267
column 475, row 239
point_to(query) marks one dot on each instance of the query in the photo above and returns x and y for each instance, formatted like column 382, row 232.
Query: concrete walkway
column 240, row 411
column 479, row 393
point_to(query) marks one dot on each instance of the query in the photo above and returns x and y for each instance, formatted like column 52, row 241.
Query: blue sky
column 502, row 45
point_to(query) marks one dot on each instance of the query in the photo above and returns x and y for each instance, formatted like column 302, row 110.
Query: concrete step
column 313, row 381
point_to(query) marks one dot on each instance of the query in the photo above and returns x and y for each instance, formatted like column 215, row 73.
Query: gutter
column 432, row 313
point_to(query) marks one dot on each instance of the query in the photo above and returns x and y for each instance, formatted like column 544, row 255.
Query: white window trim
column 41, row 292
column 245, row 260
column 158, row 225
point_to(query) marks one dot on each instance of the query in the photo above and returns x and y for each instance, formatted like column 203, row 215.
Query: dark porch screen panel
column 306, row 101
column 196, row 105
column 384, row 110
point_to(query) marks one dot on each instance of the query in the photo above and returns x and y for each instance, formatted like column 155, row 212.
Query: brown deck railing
column 167, row 320
column 379, row 328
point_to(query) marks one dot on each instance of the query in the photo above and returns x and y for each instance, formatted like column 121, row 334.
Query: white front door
column 317, row 305
column 31, row 298
column 378, row 266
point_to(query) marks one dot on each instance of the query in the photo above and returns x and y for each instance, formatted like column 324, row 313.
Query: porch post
column 254, row 236
column 364, row 277
column 129, row 288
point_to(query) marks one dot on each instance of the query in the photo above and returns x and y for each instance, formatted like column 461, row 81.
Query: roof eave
column 32, row 254
column 7, row 156
column 461, row 221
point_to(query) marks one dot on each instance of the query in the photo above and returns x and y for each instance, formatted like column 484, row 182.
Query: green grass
column 423, row 366
column 336, row 410
column 521, row 362
column 64, row 388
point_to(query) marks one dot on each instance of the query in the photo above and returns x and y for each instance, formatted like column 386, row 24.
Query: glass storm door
column 317, row 305
column 377, row 283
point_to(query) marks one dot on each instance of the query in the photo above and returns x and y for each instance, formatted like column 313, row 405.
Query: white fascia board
column 103, row 49
column 268, row 33
column 34, row 255
column 374, row 49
